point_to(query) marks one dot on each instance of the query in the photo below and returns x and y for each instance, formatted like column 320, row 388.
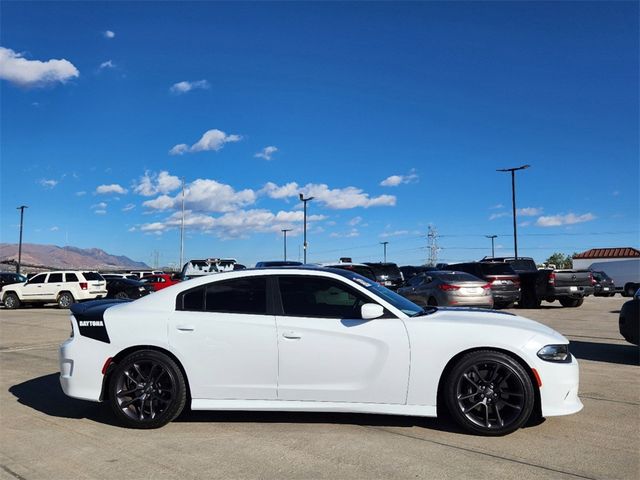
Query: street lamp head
column 305, row 199
column 523, row 167
column 302, row 197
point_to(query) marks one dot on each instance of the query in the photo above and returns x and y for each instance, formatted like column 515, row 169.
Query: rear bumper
column 505, row 297
column 81, row 361
column 570, row 292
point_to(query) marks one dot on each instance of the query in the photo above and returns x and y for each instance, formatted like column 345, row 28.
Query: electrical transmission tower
column 432, row 237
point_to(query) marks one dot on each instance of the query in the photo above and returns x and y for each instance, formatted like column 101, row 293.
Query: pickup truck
column 569, row 287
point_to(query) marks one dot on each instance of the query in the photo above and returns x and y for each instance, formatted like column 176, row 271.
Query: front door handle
column 186, row 328
column 292, row 335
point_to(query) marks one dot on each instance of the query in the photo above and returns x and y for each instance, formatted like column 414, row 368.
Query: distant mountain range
column 67, row 258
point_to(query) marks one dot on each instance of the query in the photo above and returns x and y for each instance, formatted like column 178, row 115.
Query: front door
column 226, row 340
column 35, row 289
column 328, row 353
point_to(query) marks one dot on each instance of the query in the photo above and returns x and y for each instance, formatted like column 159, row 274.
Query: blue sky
column 395, row 116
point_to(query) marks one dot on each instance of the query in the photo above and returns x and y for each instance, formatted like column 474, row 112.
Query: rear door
column 227, row 339
column 328, row 353
column 53, row 286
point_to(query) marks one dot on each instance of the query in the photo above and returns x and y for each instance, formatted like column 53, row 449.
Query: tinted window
column 456, row 277
column 243, row 295
column 38, row 278
column 192, row 300
column 390, row 269
column 92, row 276
column 497, row 269
column 319, row 297
column 71, row 277
column 54, row 278
column 415, row 281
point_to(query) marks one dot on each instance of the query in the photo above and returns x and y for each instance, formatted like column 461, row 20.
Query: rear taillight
column 487, row 286
column 552, row 278
column 516, row 281
column 446, row 287
column 491, row 280
column 84, row 285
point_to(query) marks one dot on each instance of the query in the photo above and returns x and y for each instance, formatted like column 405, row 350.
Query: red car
column 160, row 280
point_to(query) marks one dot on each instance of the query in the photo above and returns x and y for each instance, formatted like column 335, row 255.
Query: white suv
column 63, row 288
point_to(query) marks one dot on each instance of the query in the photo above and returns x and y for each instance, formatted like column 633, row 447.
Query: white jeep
column 62, row 287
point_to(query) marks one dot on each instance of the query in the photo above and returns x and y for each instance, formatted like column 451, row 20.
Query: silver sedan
column 448, row 288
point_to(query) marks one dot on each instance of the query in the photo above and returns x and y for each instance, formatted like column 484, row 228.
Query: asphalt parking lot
column 45, row 435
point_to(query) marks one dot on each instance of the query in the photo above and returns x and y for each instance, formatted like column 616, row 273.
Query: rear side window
column 319, row 297
column 243, row 295
column 54, row 278
column 71, row 277
column 192, row 300
column 92, row 276
column 38, row 278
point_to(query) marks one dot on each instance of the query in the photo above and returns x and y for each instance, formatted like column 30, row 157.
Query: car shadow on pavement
column 606, row 352
column 45, row 395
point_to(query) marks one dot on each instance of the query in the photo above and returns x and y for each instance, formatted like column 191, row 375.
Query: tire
column 432, row 302
column 571, row 302
column 65, row 300
column 122, row 295
column 147, row 390
column 11, row 301
column 629, row 290
column 489, row 393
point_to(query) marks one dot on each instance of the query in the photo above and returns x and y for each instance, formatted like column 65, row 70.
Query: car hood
column 478, row 317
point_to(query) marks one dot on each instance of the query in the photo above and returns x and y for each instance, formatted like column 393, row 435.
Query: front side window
column 319, row 297
column 242, row 295
column 38, row 278
column 54, row 278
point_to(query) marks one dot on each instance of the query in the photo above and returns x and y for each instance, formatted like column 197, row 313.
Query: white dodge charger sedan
column 315, row 340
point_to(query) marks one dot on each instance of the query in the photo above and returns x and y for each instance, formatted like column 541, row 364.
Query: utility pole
column 21, row 208
column 384, row 244
column 513, row 202
column 182, row 230
column 432, row 236
column 284, row 231
column 305, row 200
column 492, row 237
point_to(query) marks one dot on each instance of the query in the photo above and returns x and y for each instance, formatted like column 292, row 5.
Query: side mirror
column 369, row 311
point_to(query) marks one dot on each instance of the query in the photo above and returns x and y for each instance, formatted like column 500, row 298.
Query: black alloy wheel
column 489, row 393
column 147, row 390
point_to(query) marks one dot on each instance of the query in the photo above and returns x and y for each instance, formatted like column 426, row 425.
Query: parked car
column 7, row 278
column 277, row 263
column 158, row 282
column 112, row 276
column 359, row 268
column 124, row 288
column 569, row 287
column 410, row 271
column 448, row 288
column 624, row 273
column 313, row 339
column 629, row 319
column 387, row 274
column 207, row 266
column 63, row 288
column 603, row 285
column 504, row 281
column 145, row 273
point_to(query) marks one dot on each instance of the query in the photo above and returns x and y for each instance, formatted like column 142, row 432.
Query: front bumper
column 559, row 390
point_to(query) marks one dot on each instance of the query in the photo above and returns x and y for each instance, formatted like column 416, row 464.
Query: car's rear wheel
column 65, row 300
column 11, row 301
column 571, row 302
column 489, row 393
column 147, row 390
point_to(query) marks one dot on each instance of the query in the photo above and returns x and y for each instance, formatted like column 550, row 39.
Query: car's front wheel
column 11, row 301
column 489, row 393
column 147, row 390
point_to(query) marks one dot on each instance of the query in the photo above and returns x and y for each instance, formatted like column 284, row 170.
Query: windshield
column 389, row 269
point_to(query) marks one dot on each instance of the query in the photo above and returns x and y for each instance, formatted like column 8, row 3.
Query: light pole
column 492, row 237
column 305, row 200
column 513, row 202
column 21, row 208
column 384, row 245
column 284, row 231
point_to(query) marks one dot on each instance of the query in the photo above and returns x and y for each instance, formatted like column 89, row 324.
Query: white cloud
column 108, row 34
column 54, row 229
column 234, row 224
column 34, row 73
column 395, row 233
column 152, row 184
column 206, row 196
column 568, row 219
column 48, row 183
column 113, row 188
column 128, row 206
column 337, row 198
column 615, row 193
column 100, row 206
column 494, row 216
column 81, row 193
column 530, row 211
column 211, row 140
column 107, row 64
column 350, row 234
column 497, row 206
column 185, row 86
column 267, row 152
column 100, row 212
column 355, row 221
column 395, row 180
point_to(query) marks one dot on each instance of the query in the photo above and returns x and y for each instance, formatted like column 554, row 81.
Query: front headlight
column 555, row 353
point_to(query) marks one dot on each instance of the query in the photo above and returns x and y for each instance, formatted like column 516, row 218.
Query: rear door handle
column 292, row 335
column 186, row 328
